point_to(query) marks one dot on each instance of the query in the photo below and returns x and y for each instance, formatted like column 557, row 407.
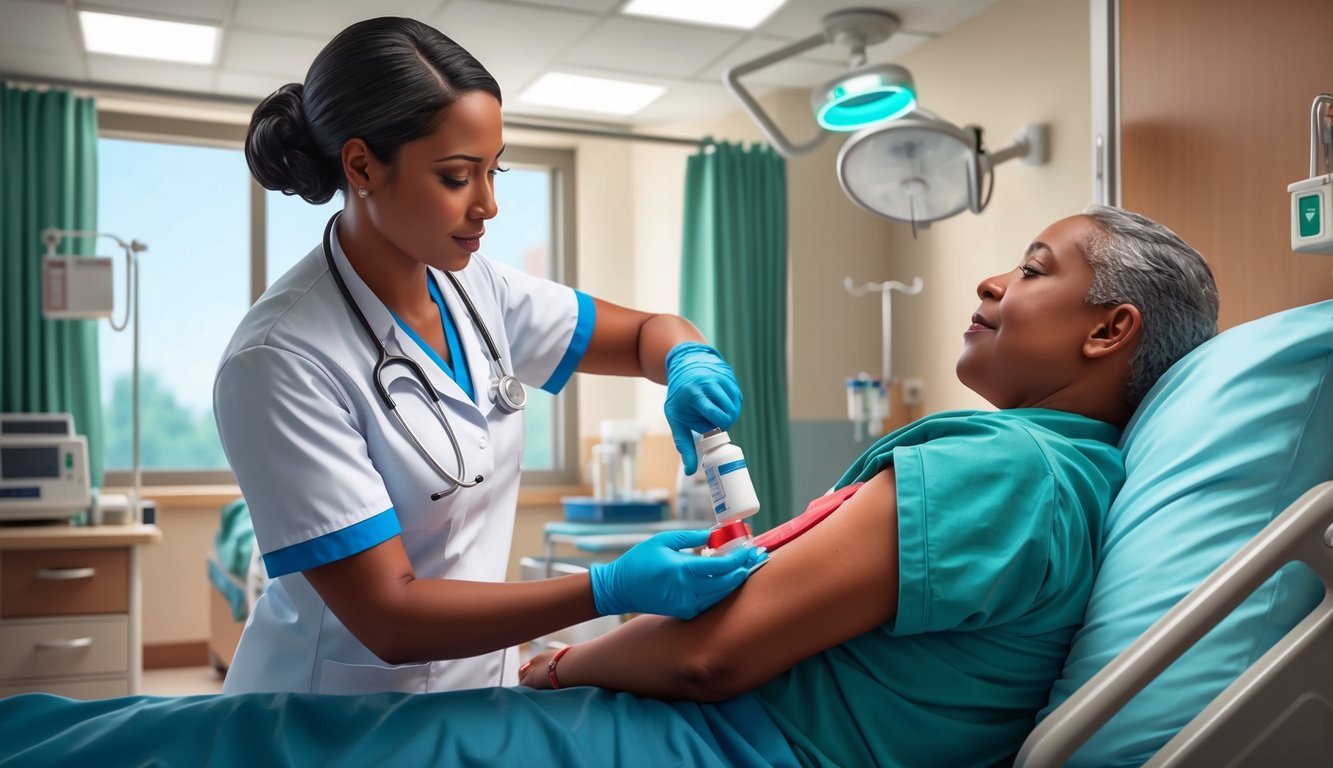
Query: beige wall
column 1019, row 62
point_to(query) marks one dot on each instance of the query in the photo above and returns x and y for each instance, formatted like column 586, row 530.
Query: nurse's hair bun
column 282, row 153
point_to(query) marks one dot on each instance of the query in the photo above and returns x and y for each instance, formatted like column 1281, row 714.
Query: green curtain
column 734, row 288
column 48, row 178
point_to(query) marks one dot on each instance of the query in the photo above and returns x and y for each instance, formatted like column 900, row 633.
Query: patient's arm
column 837, row 581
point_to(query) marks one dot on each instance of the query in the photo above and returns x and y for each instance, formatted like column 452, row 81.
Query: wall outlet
column 913, row 392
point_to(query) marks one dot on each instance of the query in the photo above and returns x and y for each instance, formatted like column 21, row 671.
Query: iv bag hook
column 885, row 290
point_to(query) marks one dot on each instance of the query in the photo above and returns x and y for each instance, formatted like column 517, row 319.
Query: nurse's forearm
column 656, row 338
column 627, row 342
column 449, row 619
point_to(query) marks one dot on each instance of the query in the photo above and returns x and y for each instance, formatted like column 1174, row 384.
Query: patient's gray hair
column 1137, row 261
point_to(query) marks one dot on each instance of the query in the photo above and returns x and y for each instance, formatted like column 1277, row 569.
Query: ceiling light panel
column 590, row 94
column 148, row 38
column 736, row 14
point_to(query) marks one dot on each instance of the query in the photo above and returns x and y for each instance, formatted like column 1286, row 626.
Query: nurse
column 370, row 401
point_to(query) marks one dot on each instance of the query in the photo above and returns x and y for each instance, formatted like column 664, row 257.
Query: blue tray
column 586, row 509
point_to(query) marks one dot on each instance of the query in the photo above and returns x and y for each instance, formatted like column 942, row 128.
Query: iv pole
column 51, row 237
column 885, row 289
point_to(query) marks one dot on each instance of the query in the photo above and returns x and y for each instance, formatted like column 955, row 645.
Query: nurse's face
column 440, row 191
column 1025, row 344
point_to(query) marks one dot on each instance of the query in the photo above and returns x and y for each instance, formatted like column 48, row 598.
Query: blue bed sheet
column 484, row 727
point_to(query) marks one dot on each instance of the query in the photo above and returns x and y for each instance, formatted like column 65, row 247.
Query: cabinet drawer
column 92, row 646
column 82, row 689
column 64, row 582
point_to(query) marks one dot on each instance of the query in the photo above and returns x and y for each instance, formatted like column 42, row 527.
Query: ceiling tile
column 150, row 74
column 799, row 18
column 237, row 83
column 323, row 18
column 692, row 103
column 277, row 54
column 651, row 47
column 38, row 64
column 513, row 43
column 600, row 6
column 790, row 73
column 31, row 25
column 172, row 10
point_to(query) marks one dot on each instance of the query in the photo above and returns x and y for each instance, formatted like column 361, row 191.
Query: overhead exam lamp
column 902, row 162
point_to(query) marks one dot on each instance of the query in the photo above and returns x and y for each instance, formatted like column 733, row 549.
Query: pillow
column 1229, row 436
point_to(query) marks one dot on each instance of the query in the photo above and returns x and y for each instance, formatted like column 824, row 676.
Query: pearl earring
column 362, row 192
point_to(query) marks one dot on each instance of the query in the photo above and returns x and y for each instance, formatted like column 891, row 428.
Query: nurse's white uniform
column 328, row 472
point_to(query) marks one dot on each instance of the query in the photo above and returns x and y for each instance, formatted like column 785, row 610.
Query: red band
column 550, row 667
column 736, row 529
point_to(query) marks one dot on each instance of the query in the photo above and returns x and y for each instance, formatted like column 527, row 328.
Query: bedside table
column 70, row 610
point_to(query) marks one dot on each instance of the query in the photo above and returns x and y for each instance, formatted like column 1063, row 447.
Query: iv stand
column 885, row 290
column 51, row 237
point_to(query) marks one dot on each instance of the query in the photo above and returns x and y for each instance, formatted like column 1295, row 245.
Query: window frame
column 129, row 126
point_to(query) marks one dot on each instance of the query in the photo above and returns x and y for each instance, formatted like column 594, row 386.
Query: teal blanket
column 484, row 727
column 232, row 547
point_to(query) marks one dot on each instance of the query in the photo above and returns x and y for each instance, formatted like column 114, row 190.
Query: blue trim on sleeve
column 341, row 543
column 577, row 345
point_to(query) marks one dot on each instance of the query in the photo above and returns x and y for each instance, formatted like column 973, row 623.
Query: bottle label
column 715, row 489
column 731, row 466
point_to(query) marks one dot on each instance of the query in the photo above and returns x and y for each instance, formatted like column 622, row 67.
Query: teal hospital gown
column 999, row 519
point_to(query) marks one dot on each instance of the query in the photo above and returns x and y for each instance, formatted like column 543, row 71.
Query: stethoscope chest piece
column 509, row 394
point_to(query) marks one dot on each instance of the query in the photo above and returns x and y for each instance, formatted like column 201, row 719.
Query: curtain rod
column 217, row 99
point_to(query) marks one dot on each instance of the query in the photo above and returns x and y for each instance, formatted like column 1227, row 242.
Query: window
column 216, row 240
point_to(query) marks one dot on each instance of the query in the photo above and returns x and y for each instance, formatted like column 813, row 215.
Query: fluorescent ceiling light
column 148, row 38
column 590, row 94
column 738, row 14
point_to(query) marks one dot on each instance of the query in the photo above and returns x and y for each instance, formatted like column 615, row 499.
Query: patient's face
column 1024, row 345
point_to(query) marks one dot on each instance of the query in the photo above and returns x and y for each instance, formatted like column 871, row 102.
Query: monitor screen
column 29, row 462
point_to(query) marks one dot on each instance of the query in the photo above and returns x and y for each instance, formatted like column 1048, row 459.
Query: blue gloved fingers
column 712, row 567
column 683, row 437
column 678, row 540
column 726, row 583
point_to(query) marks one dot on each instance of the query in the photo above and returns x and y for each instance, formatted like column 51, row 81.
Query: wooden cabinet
column 70, row 610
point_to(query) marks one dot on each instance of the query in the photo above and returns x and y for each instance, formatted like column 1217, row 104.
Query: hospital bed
column 1279, row 712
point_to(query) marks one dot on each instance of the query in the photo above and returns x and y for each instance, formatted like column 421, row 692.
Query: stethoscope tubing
column 385, row 360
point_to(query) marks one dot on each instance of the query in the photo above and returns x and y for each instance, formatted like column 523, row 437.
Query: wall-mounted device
column 1312, row 199
column 43, row 467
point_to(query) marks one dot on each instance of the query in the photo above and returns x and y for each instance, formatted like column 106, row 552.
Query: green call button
column 69, row 461
column 1307, row 210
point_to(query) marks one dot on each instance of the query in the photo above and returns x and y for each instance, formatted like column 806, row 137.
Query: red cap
column 722, row 534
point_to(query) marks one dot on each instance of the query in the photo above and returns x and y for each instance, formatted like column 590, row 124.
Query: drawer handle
column 66, row 574
column 64, row 645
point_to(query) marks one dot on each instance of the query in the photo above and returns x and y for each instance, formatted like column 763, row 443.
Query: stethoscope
column 507, row 391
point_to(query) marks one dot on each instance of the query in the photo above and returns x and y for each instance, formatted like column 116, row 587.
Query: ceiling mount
column 858, row 29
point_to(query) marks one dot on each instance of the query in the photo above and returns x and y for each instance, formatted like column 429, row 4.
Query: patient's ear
column 1118, row 328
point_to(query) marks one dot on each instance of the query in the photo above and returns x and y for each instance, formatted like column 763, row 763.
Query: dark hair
column 383, row 80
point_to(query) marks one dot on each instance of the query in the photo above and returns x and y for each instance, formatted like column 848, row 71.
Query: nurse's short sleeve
column 978, row 516
column 549, row 326
column 314, row 495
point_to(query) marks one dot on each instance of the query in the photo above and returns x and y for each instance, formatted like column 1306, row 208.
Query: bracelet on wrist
column 550, row 667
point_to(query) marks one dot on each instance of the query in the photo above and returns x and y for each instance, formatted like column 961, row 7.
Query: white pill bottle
column 731, row 491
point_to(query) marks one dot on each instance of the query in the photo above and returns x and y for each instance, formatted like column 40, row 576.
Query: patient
column 921, row 623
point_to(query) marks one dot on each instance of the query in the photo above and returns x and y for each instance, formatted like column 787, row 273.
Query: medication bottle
column 732, row 492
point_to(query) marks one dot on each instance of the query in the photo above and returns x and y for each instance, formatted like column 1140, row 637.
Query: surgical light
column 863, row 97
column 900, row 162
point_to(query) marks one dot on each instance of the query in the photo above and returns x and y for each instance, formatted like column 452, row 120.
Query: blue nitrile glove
column 654, row 577
column 702, row 394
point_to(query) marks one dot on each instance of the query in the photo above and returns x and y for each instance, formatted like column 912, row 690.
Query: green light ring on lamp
column 864, row 96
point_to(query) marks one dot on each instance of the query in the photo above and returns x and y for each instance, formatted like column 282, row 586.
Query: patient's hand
column 533, row 673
